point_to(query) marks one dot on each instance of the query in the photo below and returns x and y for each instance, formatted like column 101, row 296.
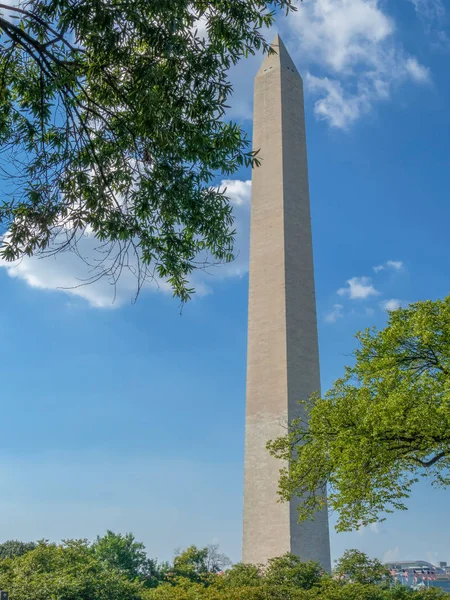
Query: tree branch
column 432, row 461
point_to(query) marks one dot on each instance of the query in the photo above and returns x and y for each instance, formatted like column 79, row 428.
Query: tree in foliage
column 279, row 578
column 12, row 548
column 195, row 564
column 290, row 571
column 216, row 561
column 124, row 554
column 357, row 567
column 112, row 124
column 66, row 572
column 381, row 427
column 242, row 575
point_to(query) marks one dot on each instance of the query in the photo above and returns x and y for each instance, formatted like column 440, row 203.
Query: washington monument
column 283, row 354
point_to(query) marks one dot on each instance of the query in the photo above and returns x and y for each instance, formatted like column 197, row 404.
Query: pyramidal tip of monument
column 280, row 59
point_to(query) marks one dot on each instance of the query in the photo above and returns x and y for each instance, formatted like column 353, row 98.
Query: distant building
column 420, row 573
column 399, row 565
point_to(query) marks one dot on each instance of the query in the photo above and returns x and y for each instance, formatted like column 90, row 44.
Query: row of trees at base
column 116, row 567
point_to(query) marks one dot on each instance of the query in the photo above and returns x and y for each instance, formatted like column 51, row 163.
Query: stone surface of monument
column 283, row 354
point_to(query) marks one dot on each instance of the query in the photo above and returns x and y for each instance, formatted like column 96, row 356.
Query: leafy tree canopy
column 124, row 554
column 195, row 564
column 290, row 571
column 242, row 575
column 77, row 570
column 381, row 427
column 282, row 573
column 12, row 548
column 66, row 572
column 359, row 568
column 112, row 124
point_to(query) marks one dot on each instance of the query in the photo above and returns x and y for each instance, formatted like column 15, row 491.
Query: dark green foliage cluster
column 12, row 548
column 112, row 123
column 124, row 554
column 113, row 567
column 66, row 572
column 197, row 564
column 359, row 568
column 116, row 567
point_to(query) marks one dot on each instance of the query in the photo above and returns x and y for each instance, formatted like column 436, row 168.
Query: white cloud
column 418, row 72
column 429, row 9
column 396, row 265
column 391, row 555
column 67, row 272
column 433, row 15
column 337, row 105
column 358, row 288
column 342, row 34
column 371, row 528
column 334, row 314
column 354, row 45
column 200, row 27
column 391, row 304
column 7, row 13
column 441, row 41
column 362, row 288
column 239, row 193
column 349, row 54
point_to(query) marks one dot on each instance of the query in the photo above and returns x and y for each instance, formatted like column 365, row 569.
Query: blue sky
column 131, row 416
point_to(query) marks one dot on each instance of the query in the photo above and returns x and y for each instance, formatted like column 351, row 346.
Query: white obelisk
column 283, row 355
